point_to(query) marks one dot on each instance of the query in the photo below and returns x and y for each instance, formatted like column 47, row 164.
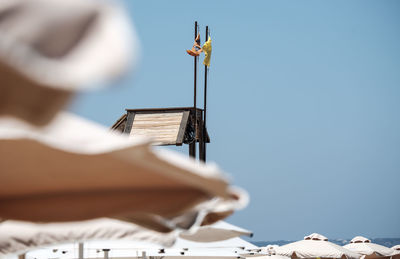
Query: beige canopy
column 73, row 170
column 315, row 245
column 364, row 246
column 49, row 49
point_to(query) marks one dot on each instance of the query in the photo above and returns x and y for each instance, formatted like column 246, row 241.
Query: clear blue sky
column 303, row 108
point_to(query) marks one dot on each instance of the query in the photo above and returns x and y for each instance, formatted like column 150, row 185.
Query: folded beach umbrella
column 313, row 246
column 216, row 232
column 364, row 246
column 73, row 169
column 18, row 237
column 235, row 243
column 396, row 247
column 269, row 249
column 50, row 49
column 272, row 256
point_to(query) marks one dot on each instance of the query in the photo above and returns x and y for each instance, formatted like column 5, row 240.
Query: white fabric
column 396, row 247
column 50, row 49
column 235, row 242
column 90, row 251
column 218, row 231
column 315, row 248
column 360, row 239
column 103, row 51
column 370, row 248
column 17, row 236
column 232, row 248
column 316, row 236
column 269, row 257
column 269, row 249
column 69, row 135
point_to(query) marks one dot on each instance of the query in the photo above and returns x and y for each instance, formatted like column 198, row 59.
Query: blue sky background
column 303, row 107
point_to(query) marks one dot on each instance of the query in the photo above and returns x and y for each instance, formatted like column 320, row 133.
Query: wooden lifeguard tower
column 171, row 126
column 166, row 126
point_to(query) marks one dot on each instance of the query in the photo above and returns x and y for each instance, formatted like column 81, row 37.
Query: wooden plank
column 129, row 122
column 163, row 128
column 182, row 128
column 153, row 110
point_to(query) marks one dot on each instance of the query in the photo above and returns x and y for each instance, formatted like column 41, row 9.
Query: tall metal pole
column 204, row 130
column 192, row 146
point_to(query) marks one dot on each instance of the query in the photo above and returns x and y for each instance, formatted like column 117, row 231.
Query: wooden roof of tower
column 166, row 126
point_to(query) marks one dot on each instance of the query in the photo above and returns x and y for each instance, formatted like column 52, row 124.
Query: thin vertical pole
column 106, row 253
column 80, row 250
column 192, row 146
column 203, row 158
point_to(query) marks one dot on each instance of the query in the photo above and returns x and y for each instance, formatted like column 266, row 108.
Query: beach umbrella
column 364, row 246
column 131, row 247
column 50, row 49
column 313, row 246
column 216, row 232
column 95, row 251
column 74, row 169
column 18, row 237
column 396, row 247
column 235, row 243
column 272, row 256
column 269, row 249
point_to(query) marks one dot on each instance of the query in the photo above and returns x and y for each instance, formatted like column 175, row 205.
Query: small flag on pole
column 207, row 51
column 196, row 49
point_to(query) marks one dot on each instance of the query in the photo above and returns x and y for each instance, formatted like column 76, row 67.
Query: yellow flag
column 207, row 51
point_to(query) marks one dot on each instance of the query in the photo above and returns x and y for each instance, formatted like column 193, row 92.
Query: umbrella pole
column 204, row 129
column 80, row 250
column 192, row 146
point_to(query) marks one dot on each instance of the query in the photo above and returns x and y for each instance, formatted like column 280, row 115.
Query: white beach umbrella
column 17, row 237
column 236, row 243
column 396, row 247
column 131, row 252
column 272, row 256
column 364, row 246
column 269, row 249
column 49, row 49
column 313, row 246
column 216, row 232
column 74, row 170
column 130, row 247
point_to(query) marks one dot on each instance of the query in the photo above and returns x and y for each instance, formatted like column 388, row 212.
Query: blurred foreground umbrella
column 20, row 237
column 364, row 246
column 49, row 49
column 216, row 232
column 74, row 170
column 313, row 246
column 396, row 247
